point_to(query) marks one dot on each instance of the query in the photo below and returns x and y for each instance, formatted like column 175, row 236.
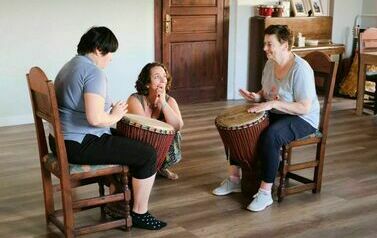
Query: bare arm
column 251, row 96
column 294, row 108
column 170, row 110
column 95, row 111
column 172, row 114
column 135, row 107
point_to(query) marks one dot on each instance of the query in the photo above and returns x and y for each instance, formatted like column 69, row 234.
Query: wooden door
column 193, row 48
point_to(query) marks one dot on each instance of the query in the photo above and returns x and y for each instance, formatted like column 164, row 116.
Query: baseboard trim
column 16, row 120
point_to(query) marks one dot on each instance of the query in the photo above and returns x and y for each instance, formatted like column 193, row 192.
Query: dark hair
column 97, row 37
column 282, row 32
column 144, row 78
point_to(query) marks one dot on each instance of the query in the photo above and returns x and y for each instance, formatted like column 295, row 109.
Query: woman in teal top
column 151, row 100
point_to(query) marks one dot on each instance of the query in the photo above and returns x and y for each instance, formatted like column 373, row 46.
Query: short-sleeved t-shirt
column 296, row 86
column 77, row 77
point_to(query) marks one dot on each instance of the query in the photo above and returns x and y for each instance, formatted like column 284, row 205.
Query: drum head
column 238, row 116
column 147, row 123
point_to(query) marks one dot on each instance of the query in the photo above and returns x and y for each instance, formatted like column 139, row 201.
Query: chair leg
column 320, row 155
column 48, row 193
column 375, row 99
column 101, row 190
column 283, row 173
column 66, row 194
column 127, row 196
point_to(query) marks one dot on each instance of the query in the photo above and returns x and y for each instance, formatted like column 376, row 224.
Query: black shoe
column 146, row 221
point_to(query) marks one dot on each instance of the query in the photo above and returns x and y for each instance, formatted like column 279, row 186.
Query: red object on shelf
column 265, row 10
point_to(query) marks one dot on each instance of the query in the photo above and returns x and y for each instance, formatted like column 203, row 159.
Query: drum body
column 154, row 132
column 240, row 131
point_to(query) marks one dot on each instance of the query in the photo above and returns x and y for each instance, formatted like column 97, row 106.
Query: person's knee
column 269, row 135
column 149, row 167
column 271, row 138
column 151, row 157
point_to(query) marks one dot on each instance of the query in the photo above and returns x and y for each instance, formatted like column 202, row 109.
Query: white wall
column 344, row 14
column 238, row 58
column 369, row 14
column 46, row 33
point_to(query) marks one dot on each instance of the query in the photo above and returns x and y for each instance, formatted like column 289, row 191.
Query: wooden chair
column 325, row 73
column 70, row 176
column 368, row 43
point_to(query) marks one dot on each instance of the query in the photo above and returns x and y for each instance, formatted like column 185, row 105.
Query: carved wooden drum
column 154, row 132
column 240, row 131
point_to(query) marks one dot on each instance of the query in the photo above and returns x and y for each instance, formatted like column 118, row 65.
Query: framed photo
column 299, row 8
column 316, row 7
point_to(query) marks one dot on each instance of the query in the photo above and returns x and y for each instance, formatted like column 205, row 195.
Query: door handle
column 167, row 23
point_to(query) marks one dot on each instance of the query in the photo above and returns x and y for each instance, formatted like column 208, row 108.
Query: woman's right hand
column 119, row 109
column 250, row 96
column 160, row 95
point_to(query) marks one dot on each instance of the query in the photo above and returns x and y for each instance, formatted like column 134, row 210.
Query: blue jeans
column 282, row 130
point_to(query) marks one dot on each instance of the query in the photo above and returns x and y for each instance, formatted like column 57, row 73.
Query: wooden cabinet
column 318, row 28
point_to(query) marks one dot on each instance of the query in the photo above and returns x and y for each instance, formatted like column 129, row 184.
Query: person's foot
column 168, row 174
column 226, row 187
column 262, row 199
column 146, row 221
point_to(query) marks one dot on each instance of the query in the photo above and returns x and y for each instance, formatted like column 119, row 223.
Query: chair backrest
column 325, row 72
column 45, row 107
column 368, row 40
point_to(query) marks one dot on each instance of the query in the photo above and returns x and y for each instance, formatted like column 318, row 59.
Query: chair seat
column 51, row 163
column 371, row 76
column 317, row 134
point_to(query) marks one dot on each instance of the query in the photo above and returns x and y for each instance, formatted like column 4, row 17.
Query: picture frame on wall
column 316, row 7
column 299, row 8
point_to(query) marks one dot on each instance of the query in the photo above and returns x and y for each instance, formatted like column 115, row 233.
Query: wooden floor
column 346, row 207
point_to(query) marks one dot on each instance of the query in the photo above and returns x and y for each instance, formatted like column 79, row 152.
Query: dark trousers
column 282, row 130
column 112, row 149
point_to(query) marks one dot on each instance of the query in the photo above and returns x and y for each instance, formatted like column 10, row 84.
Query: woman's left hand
column 260, row 107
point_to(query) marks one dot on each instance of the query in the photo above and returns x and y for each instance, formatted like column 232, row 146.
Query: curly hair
column 144, row 78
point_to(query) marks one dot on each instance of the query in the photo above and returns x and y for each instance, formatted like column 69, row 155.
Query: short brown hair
column 282, row 32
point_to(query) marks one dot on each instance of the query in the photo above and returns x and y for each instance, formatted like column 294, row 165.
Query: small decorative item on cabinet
column 265, row 10
column 316, row 7
column 311, row 42
column 299, row 8
column 300, row 40
column 278, row 11
column 286, row 8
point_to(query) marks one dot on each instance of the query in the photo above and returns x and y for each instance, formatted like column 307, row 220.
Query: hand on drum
column 250, row 96
column 260, row 107
column 119, row 109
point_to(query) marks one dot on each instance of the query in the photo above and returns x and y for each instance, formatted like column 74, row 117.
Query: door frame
column 158, row 37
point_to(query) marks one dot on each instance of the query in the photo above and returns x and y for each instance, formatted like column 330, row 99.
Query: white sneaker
column 261, row 201
column 227, row 187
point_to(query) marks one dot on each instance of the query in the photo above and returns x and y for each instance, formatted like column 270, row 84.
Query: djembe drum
column 240, row 131
column 154, row 132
